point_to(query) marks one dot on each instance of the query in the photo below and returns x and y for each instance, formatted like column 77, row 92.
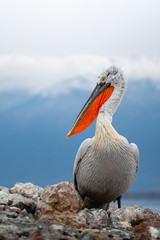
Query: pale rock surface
column 4, row 189
column 56, row 213
column 28, row 190
column 154, row 232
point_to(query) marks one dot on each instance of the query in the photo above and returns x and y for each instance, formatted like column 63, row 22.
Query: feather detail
column 105, row 135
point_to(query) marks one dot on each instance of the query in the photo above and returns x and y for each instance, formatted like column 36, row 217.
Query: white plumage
column 106, row 165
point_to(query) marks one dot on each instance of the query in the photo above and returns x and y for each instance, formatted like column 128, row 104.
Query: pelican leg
column 119, row 201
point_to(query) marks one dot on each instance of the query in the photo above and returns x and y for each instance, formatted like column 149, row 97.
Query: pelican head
column 105, row 98
column 114, row 76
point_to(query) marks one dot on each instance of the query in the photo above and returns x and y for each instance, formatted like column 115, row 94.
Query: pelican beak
column 90, row 110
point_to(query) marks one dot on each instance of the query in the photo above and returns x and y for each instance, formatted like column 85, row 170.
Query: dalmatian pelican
column 105, row 165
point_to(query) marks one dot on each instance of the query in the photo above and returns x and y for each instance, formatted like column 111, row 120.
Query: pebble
column 15, row 209
column 2, row 207
column 12, row 214
column 56, row 227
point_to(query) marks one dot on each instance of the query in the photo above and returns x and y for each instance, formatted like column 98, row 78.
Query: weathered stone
column 94, row 218
column 16, row 228
column 8, row 232
column 94, row 234
column 37, row 235
column 62, row 197
column 12, row 214
column 18, row 201
column 4, row 189
column 148, row 230
column 133, row 214
column 57, row 215
column 154, row 232
column 4, row 198
column 3, row 217
column 14, row 209
column 139, row 218
column 59, row 204
column 28, row 190
column 26, row 217
column 119, row 234
column 56, row 227
column 2, row 207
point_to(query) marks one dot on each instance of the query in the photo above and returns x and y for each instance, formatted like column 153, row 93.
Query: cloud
column 52, row 75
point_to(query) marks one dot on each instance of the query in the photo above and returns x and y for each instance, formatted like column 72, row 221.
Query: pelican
column 107, row 164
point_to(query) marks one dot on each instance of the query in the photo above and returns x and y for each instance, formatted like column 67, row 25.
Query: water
column 154, row 205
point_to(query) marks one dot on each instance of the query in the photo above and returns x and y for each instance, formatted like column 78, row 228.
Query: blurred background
column 51, row 53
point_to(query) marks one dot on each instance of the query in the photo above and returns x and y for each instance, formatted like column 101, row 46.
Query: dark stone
column 56, row 215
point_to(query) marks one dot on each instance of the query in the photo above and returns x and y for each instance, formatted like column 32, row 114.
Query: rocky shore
column 31, row 212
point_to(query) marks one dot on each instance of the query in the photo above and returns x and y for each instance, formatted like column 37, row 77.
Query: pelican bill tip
column 68, row 135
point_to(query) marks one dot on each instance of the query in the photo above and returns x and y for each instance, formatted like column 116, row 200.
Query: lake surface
column 154, row 205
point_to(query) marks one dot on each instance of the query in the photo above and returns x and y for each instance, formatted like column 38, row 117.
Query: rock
column 95, row 218
column 16, row 219
column 119, row 233
column 15, row 209
column 4, row 189
column 59, row 204
column 37, row 235
column 144, row 222
column 147, row 230
column 11, row 214
column 2, row 207
column 14, row 227
column 133, row 215
column 62, row 197
column 55, row 227
column 28, row 190
column 55, row 213
column 154, row 232
column 18, row 201
column 99, row 219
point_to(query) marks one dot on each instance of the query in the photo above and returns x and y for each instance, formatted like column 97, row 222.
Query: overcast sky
column 43, row 42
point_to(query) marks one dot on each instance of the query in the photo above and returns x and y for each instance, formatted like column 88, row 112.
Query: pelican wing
column 136, row 154
column 80, row 155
